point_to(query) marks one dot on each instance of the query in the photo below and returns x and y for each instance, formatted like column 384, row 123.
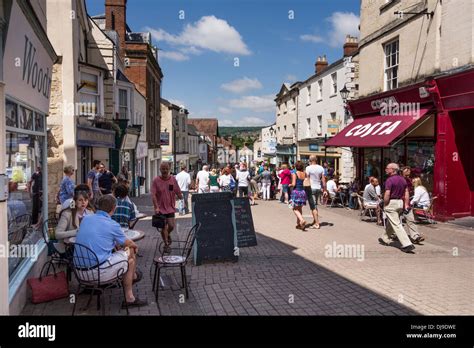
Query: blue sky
column 197, row 53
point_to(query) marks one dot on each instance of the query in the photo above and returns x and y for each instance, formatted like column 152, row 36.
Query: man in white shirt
column 184, row 180
column 243, row 177
column 315, row 173
column 201, row 180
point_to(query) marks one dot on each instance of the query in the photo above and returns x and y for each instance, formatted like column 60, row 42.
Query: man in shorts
column 101, row 234
column 315, row 173
column 164, row 191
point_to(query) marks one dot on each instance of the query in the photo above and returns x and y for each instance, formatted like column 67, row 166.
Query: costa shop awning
column 376, row 131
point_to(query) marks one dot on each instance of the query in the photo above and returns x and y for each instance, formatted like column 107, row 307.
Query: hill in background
column 241, row 135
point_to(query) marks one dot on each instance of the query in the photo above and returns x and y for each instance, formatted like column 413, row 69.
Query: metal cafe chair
column 55, row 256
column 364, row 209
column 88, row 277
column 177, row 258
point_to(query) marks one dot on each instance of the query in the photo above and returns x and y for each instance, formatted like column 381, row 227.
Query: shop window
column 420, row 155
column 24, row 154
column 11, row 110
column 391, row 65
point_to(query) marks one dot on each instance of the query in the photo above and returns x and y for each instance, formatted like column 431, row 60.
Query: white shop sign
column 27, row 65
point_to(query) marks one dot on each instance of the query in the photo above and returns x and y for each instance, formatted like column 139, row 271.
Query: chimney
column 350, row 46
column 321, row 64
column 116, row 19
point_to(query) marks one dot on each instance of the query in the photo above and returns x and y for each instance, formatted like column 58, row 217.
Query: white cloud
column 342, row 23
column 311, row 38
column 242, row 85
column 173, row 55
column 290, row 78
column 249, row 121
column 208, row 33
column 256, row 103
column 224, row 110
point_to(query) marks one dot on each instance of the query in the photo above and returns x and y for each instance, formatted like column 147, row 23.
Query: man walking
column 106, row 180
column 93, row 182
column 184, row 180
column 202, row 179
column 315, row 173
column 163, row 192
column 396, row 199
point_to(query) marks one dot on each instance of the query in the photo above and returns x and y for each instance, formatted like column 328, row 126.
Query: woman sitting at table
column 125, row 210
column 70, row 218
column 421, row 199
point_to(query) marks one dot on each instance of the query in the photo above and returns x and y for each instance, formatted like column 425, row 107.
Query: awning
column 376, row 131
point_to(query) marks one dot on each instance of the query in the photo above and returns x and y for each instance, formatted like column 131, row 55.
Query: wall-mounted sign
column 164, row 138
column 129, row 141
column 27, row 64
column 333, row 127
column 90, row 136
column 313, row 147
column 142, row 149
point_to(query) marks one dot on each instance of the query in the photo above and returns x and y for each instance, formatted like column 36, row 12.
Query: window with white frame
column 333, row 116
column 391, row 65
column 320, row 124
column 89, row 94
column 285, row 108
column 308, row 127
column 334, row 83
column 308, row 95
column 320, row 89
column 124, row 105
column 284, row 131
column 294, row 103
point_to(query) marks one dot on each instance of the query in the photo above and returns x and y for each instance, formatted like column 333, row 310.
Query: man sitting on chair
column 371, row 199
column 102, row 234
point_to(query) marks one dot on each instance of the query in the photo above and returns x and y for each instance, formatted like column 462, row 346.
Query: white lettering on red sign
column 373, row 129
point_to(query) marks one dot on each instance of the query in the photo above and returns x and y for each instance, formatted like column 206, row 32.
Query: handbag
column 49, row 288
column 158, row 220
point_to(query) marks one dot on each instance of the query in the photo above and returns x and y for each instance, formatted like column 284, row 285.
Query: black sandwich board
column 244, row 222
column 217, row 238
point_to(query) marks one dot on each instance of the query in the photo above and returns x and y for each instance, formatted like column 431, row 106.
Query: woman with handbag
column 70, row 218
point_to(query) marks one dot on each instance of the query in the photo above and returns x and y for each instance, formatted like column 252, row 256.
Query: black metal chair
column 55, row 256
column 18, row 228
column 178, row 257
column 88, row 277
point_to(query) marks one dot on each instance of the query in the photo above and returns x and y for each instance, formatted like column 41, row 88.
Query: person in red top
column 164, row 190
column 285, row 180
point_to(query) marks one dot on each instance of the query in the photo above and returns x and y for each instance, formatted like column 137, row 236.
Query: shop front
column 426, row 126
column 24, row 151
column 331, row 155
column 128, row 157
column 92, row 144
column 286, row 154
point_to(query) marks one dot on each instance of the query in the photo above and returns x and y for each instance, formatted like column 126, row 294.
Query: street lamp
column 272, row 131
column 344, row 94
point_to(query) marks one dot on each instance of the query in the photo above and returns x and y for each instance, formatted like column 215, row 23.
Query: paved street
column 290, row 272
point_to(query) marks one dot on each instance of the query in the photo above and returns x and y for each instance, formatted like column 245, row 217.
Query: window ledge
column 319, row 100
column 333, row 95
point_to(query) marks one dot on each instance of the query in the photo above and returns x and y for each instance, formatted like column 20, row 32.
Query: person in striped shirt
column 125, row 210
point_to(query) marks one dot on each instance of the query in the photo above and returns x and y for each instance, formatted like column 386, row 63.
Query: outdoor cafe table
column 134, row 235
